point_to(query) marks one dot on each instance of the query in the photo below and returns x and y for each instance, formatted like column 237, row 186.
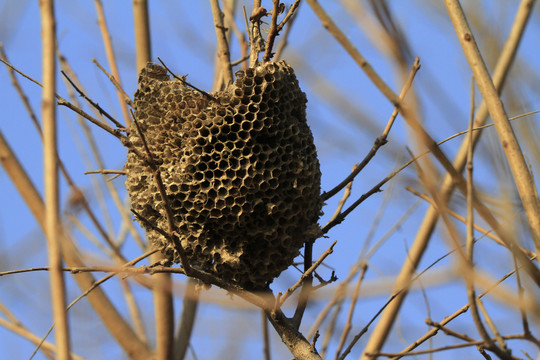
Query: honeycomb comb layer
column 240, row 171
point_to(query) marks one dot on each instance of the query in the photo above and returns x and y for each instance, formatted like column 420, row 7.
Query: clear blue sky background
column 182, row 35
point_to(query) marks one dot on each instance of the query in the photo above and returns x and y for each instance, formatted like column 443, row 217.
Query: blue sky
column 182, row 35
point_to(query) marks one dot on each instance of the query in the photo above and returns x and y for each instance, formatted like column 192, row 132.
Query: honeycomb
column 240, row 170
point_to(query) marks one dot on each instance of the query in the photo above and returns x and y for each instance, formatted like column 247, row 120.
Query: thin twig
column 307, row 286
column 479, row 343
column 134, row 310
column 21, row 93
column 91, row 102
column 224, row 54
column 22, row 74
column 380, row 141
column 76, row 270
column 522, row 176
column 181, row 79
column 343, row 200
column 114, row 132
column 493, row 328
column 105, row 171
column 486, row 126
column 366, row 328
column 239, row 61
column 477, row 227
column 151, row 225
column 113, row 321
column 256, row 42
column 448, row 319
column 290, row 17
column 101, row 164
column 115, row 78
column 187, row 319
column 448, row 331
column 161, row 187
column 312, row 268
column 50, row 174
column 348, row 324
column 61, row 101
column 228, row 9
column 266, row 336
column 125, row 98
column 375, row 189
column 469, row 262
column 273, row 32
column 521, row 291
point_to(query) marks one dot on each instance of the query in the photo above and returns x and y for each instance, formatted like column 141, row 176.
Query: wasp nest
column 239, row 167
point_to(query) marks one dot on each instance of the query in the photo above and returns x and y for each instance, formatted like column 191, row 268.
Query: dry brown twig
column 114, row 132
column 93, row 103
column 124, row 97
column 76, row 191
column 115, row 78
column 266, row 337
column 478, row 343
column 256, row 42
column 163, row 304
column 112, row 274
column 273, row 32
column 285, row 36
column 469, row 262
column 105, row 171
column 187, row 318
column 20, row 92
column 523, row 177
column 100, row 161
column 183, row 80
column 306, row 281
column 477, row 227
column 382, row 329
column 348, row 324
column 380, row 141
column 240, row 36
column 48, row 349
column 224, row 54
column 308, row 262
column 275, row 28
column 74, row 188
column 311, row 269
column 432, row 332
column 168, row 212
column 343, row 200
column 63, row 102
column 50, row 174
column 110, row 317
